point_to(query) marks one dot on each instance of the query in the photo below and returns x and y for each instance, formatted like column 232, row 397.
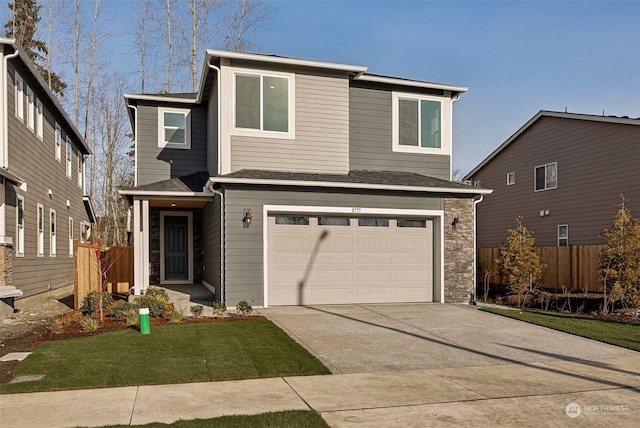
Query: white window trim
column 189, row 216
column 53, row 232
column 445, row 124
column 40, row 232
column 70, row 236
column 246, row 132
column 69, row 156
column 187, row 133
column 513, row 181
column 20, row 228
column 58, row 142
column 565, row 237
column 30, row 109
column 19, row 97
column 545, row 177
column 39, row 119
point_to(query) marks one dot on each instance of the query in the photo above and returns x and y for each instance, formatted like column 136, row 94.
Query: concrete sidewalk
column 600, row 392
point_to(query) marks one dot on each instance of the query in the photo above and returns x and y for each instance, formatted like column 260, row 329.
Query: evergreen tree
column 22, row 27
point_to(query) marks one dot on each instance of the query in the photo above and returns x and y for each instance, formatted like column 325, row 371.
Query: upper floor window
column 30, row 109
column 69, row 152
column 20, row 226
column 174, row 129
column 19, row 94
column 264, row 103
column 58, row 142
column 39, row 121
column 546, row 176
column 511, row 179
column 419, row 123
column 80, row 174
column 563, row 235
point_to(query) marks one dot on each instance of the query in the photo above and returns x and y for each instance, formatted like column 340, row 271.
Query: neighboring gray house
column 564, row 173
column 285, row 181
column 42, row 159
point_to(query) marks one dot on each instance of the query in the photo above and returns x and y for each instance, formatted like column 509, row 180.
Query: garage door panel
column 331, row 295
column 373, row 276
column 373, row 259
column 330, row 278
column 412, row 294
column 373, row 295
column 369, row 241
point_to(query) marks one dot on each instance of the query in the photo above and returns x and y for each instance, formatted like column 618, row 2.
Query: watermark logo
column 573, row 410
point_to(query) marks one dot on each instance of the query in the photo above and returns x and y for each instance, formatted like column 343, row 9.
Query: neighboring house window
column 85, row 232
column 58, row 142
column 19, row 226
column 174, row 128
column 70, row 237
column 511, row 179
column 418, row 124
column 39, row 121
column 52, row 233
column 546, row 176
column 563, row 235
column 19, row 94
column 69, row 151
column 30, row 109
column 264, row 103
column 40, row 230
column 80, row 175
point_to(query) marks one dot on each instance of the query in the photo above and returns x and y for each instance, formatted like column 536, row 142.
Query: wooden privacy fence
column 116, row 261
column 574, row 267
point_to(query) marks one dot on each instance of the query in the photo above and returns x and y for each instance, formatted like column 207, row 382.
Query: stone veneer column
column 459, row 276
column 6, row 265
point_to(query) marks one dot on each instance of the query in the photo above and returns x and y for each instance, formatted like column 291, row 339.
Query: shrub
column 120, row 308
column 156, row 300
column 90, row 302
column 132, row 316
column 219, row 309
column 243, row 307
column 175, row 316
column 196, row 311
column 57, row 326
column 90, row 324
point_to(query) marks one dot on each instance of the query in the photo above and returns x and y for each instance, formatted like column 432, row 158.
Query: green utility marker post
column 145, row 326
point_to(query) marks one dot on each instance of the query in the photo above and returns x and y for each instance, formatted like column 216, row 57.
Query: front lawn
column 170, row 354
column 613, row 332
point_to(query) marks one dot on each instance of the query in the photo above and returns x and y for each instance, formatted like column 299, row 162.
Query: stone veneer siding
column 458, row 250
column 6, row 265
column 154, row 244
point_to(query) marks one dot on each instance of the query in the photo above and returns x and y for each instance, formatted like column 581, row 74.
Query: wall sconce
column 544, row 213
column 455, row 221
column 50, row 193
column 68, row 204
column 246, row 220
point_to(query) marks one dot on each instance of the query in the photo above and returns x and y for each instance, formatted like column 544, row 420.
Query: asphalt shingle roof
column 188, row 183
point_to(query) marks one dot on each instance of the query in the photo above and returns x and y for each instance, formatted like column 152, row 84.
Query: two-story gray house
column 285, row 181
column 564, row 173
column 42, row 161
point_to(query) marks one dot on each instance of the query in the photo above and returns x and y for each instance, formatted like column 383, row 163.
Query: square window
column 563, row 235
column 174, row 130
column 418, row 124
column 546, row 176
column 511, row 179
column 264, row 104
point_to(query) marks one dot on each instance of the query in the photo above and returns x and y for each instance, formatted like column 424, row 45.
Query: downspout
column 475, row 250
column 135, row 138
column 5, row 113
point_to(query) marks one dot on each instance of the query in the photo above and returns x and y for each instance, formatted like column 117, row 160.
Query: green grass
column 170, row 354
column 292, row 419
column 613, row 332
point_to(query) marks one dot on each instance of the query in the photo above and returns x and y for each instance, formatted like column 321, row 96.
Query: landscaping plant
column 219, row 309
column 196, row 310
column 244, row 308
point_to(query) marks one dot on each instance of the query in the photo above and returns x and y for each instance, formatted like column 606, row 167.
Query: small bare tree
column 245, row 18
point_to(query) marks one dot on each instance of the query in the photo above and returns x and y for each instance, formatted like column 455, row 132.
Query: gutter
column 475, row 251
column 4, row 161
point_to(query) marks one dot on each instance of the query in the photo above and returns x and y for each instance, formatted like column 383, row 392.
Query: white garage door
column 345, row 259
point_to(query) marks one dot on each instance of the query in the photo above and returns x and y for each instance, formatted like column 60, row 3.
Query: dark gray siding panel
column 211, row 245
column 596, row 163
column 244, row 246
column 155, row 163
column 212, row 126
column 34, row 161
column 370, row 122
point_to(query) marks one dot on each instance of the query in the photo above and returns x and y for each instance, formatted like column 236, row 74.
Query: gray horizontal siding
column 596, row 162
column 370, row 122
column 244, row 255
column 321, row 141
column 211, row 245
column 155, row 163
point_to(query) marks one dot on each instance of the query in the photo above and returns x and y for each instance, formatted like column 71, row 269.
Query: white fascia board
column 11, row 176
column 332, row 184
column 414, row 83
column 286, row 61
column 168, row 99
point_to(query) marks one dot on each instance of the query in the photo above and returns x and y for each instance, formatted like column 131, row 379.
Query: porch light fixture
column 246, row 220
column 456, row 220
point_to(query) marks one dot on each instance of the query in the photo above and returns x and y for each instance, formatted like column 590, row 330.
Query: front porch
column 184, row 296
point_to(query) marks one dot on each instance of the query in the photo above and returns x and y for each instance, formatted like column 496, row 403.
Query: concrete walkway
column 597, row 393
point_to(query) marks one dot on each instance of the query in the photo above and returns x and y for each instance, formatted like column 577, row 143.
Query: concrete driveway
column 399, row 337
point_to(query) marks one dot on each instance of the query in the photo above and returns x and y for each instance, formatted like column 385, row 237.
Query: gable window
column 511, row 179
column 546, row 176
column 563, row 235
column 40, row 230
column 58, row 142
column 39, row 121
column 19, row 226
column 70, row 237
column 19, row 94
column 69, row 151
column 264, row 103
column 52, row 233
column 30, row 109
column 419, row 123
column 174, row 128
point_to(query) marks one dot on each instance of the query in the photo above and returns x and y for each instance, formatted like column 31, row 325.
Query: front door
column 176, row 248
